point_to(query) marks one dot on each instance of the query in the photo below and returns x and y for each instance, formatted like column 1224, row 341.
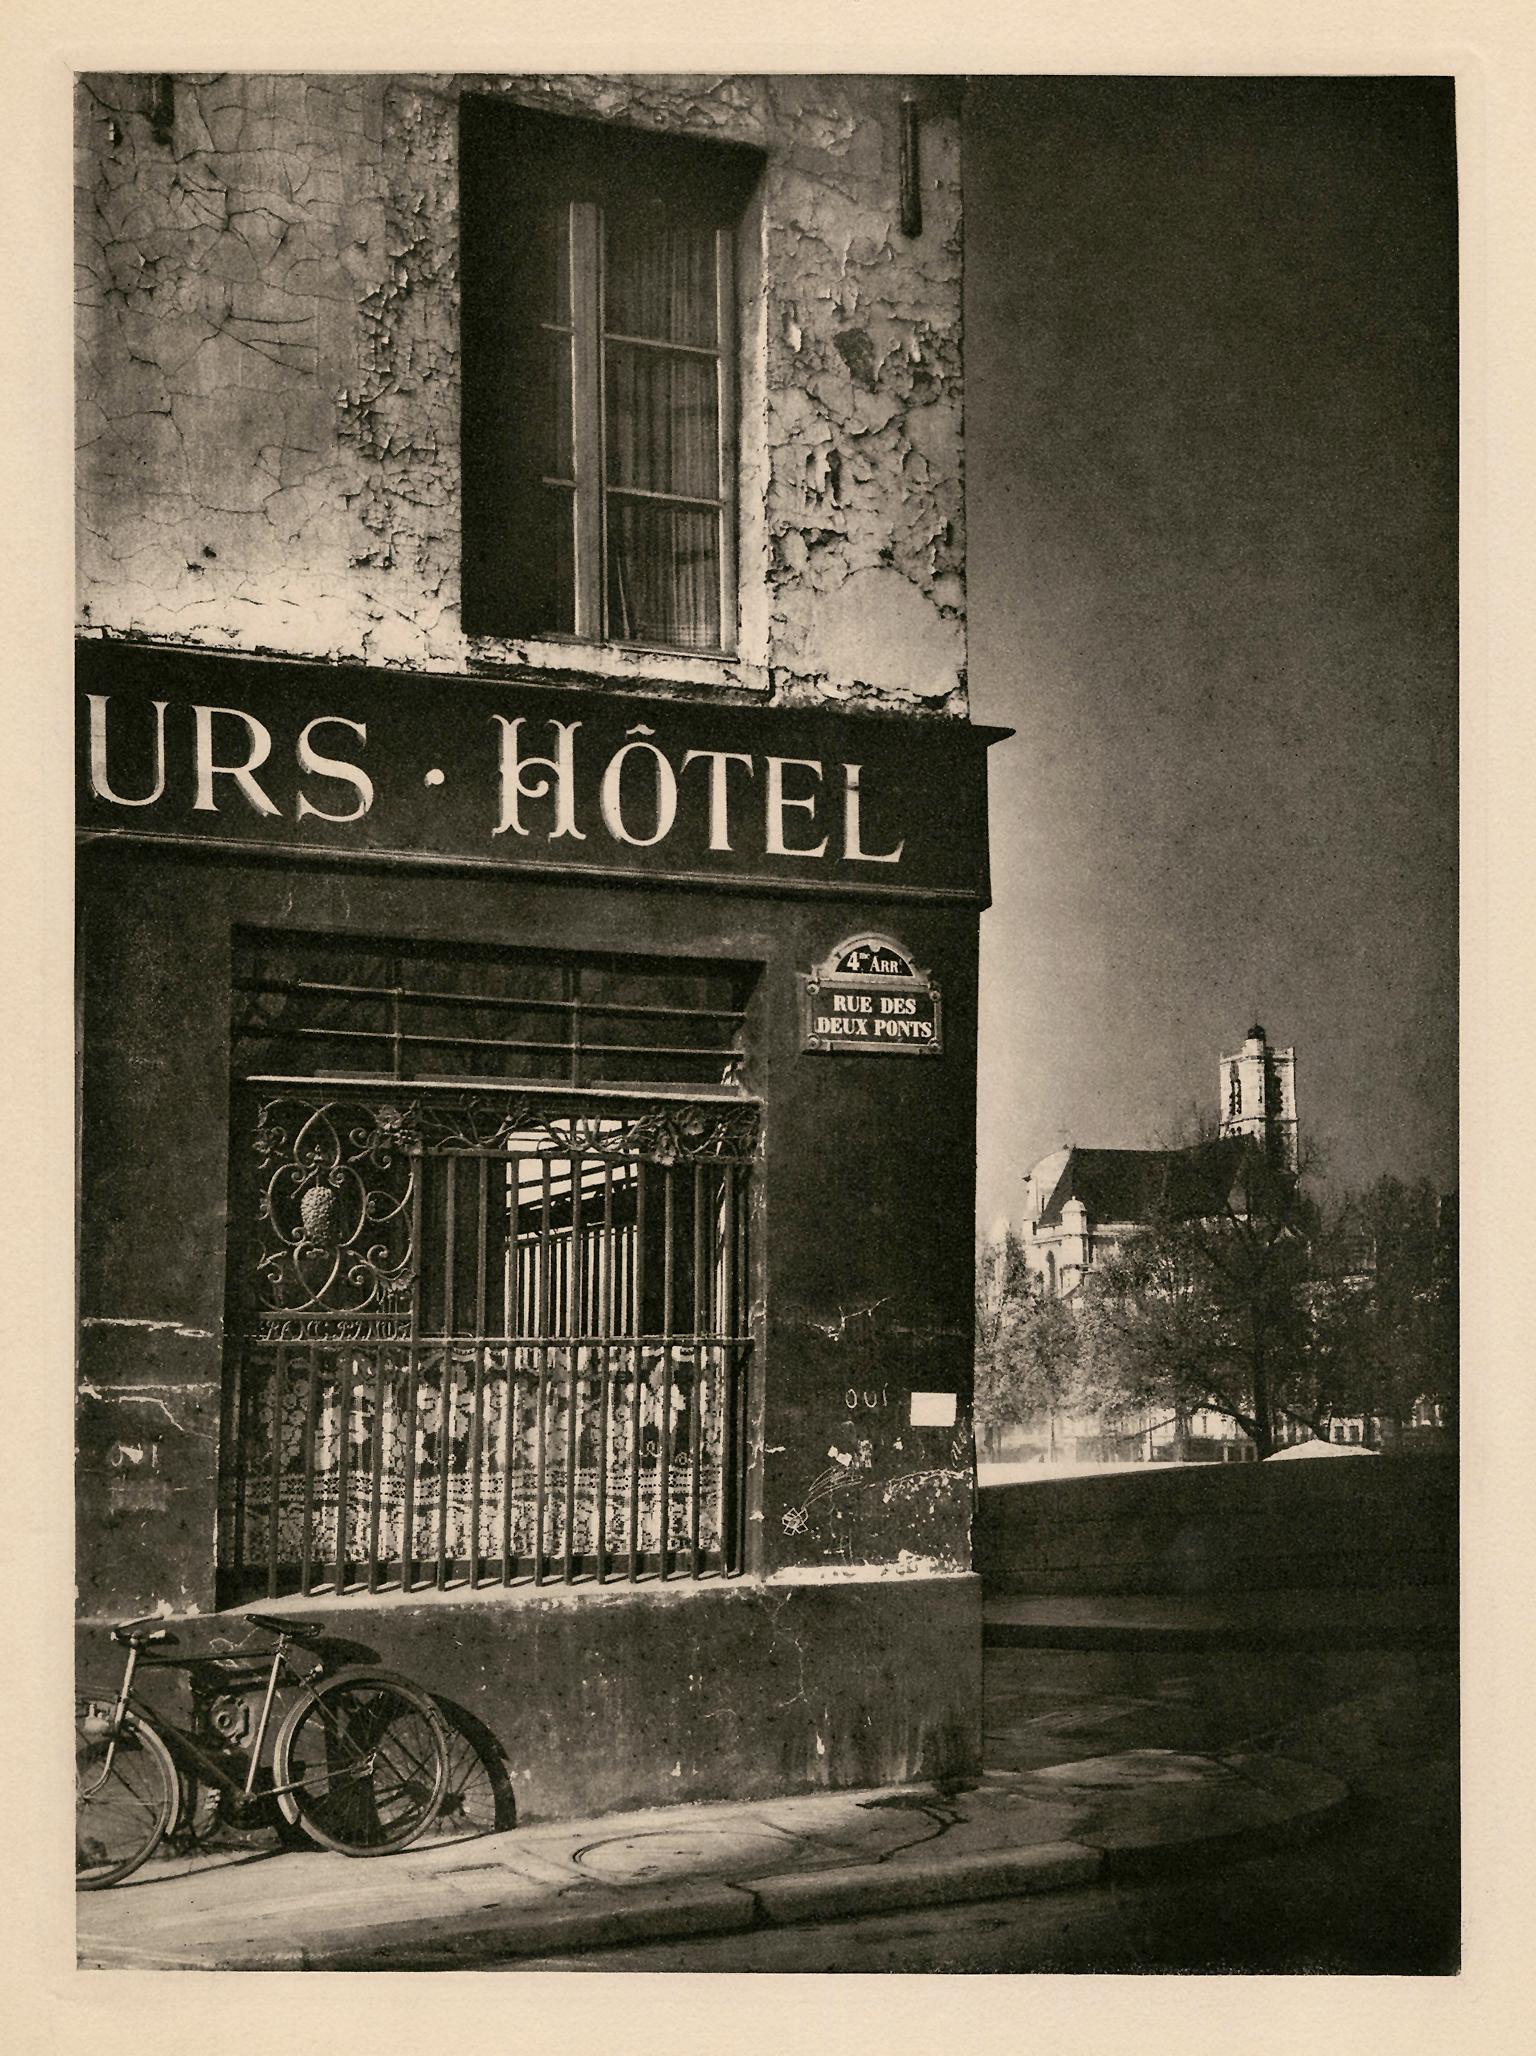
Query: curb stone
column 712, row 1909
column 894, row 1887
column 435, row 1944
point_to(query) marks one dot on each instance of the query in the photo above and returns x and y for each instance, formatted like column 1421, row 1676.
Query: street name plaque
column 868, row 998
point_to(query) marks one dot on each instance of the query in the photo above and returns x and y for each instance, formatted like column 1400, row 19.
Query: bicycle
column 359, row 1762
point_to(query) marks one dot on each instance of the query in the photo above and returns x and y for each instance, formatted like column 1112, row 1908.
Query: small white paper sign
column 933, row 1409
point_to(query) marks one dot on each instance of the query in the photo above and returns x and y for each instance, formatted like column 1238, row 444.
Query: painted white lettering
column 852, row 848
column 719, row 797
column 516, row 787
column 612, row 793
column 100, row 784
column 778, row 800
column 311, row 760
column 258, row 749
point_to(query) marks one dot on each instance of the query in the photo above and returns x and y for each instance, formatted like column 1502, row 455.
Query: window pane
column 663, row 574
column 659, row 277
column 663, row 422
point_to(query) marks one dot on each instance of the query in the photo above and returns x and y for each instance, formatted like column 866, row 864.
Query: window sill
column 626, row 664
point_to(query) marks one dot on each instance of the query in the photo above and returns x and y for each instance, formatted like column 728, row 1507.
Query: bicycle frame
column 207, row 1764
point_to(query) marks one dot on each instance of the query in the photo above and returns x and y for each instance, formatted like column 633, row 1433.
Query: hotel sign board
column 870, row 999
column 357, row 763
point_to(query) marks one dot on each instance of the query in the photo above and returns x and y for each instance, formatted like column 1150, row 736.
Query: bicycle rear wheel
column 367, row 1758
column 126, row 1793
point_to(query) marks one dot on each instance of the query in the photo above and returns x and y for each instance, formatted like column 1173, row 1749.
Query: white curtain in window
column 662, row 432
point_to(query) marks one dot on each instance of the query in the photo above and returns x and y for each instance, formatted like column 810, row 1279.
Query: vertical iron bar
column 695, row 1451
column 743, row 1359
column 668, row 1281
column 307, row 1549
column 244, row 1447
column 730, row 1478
column 512, row 1303
column 637, row 1274
column 605, row 1285
column 343, row 1462
column 542, row 1331
column 376, row 1467
column 481, row 1238
column 418, row 1165
column 576, row 1324
column 279, row 1376
column 445, row 1387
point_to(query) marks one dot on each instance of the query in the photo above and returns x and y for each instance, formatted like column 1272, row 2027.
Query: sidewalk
column 687, row 1871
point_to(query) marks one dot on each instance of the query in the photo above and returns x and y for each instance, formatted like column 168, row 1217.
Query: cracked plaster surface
column 268, row 386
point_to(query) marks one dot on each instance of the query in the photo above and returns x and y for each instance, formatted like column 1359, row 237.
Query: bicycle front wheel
column 126, row 1793
column 362, row 1761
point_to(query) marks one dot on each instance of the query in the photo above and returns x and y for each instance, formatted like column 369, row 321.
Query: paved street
column 1368, row 1903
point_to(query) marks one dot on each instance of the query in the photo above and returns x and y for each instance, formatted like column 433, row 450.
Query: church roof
column 1137, row 1184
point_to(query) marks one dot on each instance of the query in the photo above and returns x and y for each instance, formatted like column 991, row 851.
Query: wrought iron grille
column 487, row 1340
column 489, row 1267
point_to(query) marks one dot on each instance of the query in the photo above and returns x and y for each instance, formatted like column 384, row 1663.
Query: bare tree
column 1386, row 1302
column 1207, row 1304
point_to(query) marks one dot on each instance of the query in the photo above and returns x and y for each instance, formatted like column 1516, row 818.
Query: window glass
column 659, row 277
column 663, row 422
column 663, row 575
column 599, row 381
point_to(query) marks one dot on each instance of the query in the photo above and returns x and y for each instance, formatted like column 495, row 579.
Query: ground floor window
column 495, row 1331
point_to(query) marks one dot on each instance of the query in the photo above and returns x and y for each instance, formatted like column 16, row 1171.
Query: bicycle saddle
column 141, row 1631
column 297, row 1631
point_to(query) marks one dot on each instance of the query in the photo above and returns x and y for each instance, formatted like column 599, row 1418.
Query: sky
column 1211, row 479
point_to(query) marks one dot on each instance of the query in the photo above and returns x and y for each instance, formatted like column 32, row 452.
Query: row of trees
column 1269, row 1311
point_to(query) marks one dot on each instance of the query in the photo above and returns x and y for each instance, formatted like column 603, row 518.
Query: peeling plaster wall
column 268, row 386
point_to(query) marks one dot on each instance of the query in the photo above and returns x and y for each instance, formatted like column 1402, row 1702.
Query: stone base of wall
column 587, row 1703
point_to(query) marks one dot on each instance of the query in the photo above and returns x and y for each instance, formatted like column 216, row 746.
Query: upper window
column 325, row 1006
column 599, row 416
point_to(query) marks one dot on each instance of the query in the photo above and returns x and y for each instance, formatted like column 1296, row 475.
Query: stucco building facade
column 532, row 851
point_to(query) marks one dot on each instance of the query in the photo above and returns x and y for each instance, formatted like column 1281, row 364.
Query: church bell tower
column 1258, row 1096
